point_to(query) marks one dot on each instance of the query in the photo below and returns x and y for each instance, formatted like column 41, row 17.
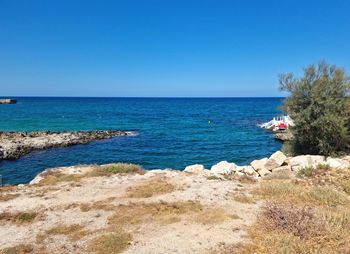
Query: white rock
column 302, row 161
column 240, row 168
column 196, row 169
column 283, row 168
column 223, row 168
column 263, row 172
column 249, row 170
column 276, row 160
column 259, row 164
column 338, row 163
column 240, row 173
column 317, row 159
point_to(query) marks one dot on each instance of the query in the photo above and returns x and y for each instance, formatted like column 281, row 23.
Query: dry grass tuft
column 139, row 213
column 214, row 216
column 213, row 177
column 118, row 168
column 299, row 221
column 99, row 205
column 242, row 198
column 7, row 197
column 280, row 174
column 285, row 228
column 18, row 218
column 313, row 171
column 74, row 232
column 292, row 192
column 245, row 179
column 19, row 249
column 52, row 177
column 111, row 243
column 150, row 188
column 317, row 222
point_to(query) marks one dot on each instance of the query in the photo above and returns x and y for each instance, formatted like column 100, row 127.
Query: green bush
column 319, row 104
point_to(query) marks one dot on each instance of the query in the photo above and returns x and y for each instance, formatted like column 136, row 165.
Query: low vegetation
column 111, row 243
column 163, row 212
column 18, row 218
column 311, row 215
column 312, row 171
column 118, row 168
column 18, row 249
column 214, row 216
column 7, row 197
column 74, row 232
column 243, row 198
column 53, row 177
column 150, row 188
column 319, row 105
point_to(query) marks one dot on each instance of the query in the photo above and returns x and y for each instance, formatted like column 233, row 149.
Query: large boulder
column 338, row 163
column 264, row 172
column 276, row 160
column 259, row 164
column 223, row 168
column 303, row 161
column 196, row 169
column 282, row 168
column 250, row 171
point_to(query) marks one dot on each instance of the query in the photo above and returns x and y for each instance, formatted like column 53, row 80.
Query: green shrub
column 319, row 104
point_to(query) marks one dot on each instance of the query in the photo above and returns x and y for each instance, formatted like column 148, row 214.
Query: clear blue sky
column 165, row 48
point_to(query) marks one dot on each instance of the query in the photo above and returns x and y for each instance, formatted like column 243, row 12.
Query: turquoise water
column 172, row 132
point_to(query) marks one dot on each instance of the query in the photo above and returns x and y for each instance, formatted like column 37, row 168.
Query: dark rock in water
column 15, row 144
column 284, row 136
column 8, row 101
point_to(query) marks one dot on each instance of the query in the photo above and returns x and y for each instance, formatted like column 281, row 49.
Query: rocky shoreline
column 278, row 162
column 275, row 164
column 15, row 144
column 89, row 208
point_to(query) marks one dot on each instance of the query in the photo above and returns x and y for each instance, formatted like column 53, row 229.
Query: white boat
column 278, row 123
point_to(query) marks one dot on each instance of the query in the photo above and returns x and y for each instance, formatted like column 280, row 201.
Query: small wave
column 132, row 133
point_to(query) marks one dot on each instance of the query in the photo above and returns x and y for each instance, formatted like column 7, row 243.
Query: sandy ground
column 59, row 204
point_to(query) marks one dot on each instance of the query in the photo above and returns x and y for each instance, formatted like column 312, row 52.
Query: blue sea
column 172, row 132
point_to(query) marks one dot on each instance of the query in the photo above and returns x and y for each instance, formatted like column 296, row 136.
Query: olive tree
column 319, row 104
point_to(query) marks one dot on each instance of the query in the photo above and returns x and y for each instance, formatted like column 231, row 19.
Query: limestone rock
column 276, row 160
column 223, row 168
column 15, row 144
column 259, row 164
column 263, row 172
column 302, row 161
column 282, row 168
column 338, row 163
column 249, row 170
column 196, row 169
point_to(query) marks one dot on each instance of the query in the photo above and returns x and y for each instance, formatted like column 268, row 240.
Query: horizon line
column 140, row 97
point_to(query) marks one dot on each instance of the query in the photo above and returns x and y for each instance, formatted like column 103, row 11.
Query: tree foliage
column 319, row 104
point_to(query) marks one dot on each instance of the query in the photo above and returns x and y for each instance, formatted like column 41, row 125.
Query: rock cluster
column 8, row 101
column 284, row 136
column 276, row 162
column 15, row 144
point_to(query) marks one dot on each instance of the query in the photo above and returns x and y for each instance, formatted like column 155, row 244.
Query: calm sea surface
column 172, row 132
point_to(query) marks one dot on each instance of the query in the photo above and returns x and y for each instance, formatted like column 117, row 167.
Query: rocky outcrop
column 303, row 161
column 223, row 168
column 338, row 163
column 8, row 101
column 276, row 160
column 15, row 144
column 279, row 162
column 284, row 136
column 196, row 169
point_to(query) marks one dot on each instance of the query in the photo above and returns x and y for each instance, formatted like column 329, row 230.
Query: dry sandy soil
column 97, row 210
